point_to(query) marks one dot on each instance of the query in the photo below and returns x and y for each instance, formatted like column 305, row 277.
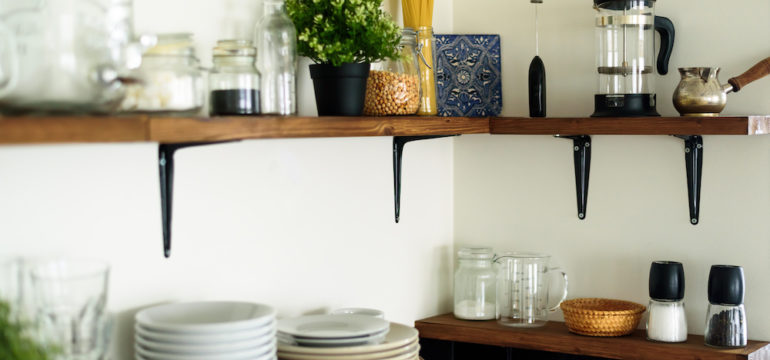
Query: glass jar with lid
column 393, row 86
column 170, row 79
column 234, row 80
column 474, row 286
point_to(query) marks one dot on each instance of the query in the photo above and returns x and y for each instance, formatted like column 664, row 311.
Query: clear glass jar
column 427, row 72
column 234, row 80
column 666, row 321
column 474, row 286
column 393, row 86
column 170, row 79
column 277, row 41
column 726, row 326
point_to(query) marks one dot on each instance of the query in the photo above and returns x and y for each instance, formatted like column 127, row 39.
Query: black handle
column 665, row 27
column 536, row 88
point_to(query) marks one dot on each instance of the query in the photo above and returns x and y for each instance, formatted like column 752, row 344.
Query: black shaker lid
column 726, row 285
column 620, row 4
column 666, row 280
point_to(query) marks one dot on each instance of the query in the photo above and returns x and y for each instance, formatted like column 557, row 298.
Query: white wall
column 518, row 192
column 303, row 225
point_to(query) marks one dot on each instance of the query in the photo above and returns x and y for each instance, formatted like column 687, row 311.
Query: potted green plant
column 342, row 37
column 15, row 342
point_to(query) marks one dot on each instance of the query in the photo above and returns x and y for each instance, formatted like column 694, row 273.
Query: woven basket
column 601, row 317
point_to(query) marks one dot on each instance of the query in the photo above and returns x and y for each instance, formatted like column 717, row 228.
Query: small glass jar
column 234, row 80
column 474, row 286
column 726, row 316
column 393, row 86
column 427, row 72
column 170, row 79
column 667, row 321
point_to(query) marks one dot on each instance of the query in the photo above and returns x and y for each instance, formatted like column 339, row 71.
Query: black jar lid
column 726, row 285
column 620, row 4
column 666, row 280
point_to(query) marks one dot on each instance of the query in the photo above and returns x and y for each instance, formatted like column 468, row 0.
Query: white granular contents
column 474, row 310
column 667, row 323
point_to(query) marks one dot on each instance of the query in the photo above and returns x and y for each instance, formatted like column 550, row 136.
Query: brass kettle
column 699, row 92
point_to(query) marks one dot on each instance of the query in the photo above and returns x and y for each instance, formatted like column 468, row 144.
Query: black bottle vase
column 536, row 88
column 340, row 90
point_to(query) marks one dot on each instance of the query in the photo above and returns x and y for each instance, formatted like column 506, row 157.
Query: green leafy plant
column 14, row 341
column 344, row 31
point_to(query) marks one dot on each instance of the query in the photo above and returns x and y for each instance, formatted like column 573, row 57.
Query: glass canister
column 276, row 38
column 726, row 316
column 667, row 321
column 234, row 80
column 427, row 72
column 170, row 79
column 393, row 86
column 474, row 284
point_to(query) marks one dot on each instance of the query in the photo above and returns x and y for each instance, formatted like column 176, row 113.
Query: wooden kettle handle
column 758, row 71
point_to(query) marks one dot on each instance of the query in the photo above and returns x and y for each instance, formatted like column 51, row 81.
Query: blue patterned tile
column 468, row 81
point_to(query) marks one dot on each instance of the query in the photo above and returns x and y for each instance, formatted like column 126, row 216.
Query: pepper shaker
column 726, row 317
column 667, row 321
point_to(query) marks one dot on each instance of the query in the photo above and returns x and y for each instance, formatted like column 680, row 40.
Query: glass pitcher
column 63, row 55
column 523, row 284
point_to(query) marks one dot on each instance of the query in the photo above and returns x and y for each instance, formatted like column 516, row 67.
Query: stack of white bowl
column 345, row 337
column 206, row 331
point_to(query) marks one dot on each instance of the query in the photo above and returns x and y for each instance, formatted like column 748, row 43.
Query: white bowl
column 267, row 331
column 236, row 355
column 359, row 311
column 205, row 317
column 235, row 346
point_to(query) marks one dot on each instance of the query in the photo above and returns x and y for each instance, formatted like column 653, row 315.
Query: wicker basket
column 601, row 317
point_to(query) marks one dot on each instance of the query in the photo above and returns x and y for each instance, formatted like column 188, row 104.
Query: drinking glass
column 70, row 298
column 11, row 283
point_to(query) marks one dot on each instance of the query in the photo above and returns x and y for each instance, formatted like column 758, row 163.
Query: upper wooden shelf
column 165, row 129
column 554, row 337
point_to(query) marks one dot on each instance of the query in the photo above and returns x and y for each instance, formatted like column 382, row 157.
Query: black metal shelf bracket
column 398, row 151
column 693, row 158
column 166, row 170
column 582, row 157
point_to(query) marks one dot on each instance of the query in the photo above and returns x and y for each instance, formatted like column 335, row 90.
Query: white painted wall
column 303, row 225
column 518, row 192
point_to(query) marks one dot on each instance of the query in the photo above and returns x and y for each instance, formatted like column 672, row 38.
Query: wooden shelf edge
column 73, row 129
column 554, row 337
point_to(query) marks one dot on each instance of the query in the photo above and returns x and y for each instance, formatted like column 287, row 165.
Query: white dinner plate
column 238, row 355
column 205, row 317
column 386, row 354
column 263, row 357
column 332, row 326
column 375, row 356
column 205, row 339
column 398, row 336
column 332, row 342
column 234, row 346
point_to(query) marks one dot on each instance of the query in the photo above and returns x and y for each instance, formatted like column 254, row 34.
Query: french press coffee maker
column 625, row 45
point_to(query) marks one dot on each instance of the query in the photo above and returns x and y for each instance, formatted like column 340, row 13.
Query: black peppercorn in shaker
column 726, row 317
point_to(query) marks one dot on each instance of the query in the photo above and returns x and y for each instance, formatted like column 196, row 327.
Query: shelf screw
column 700, row 146
column 577, row 148
column 694, row 221
column 582, row 216
column 587, row 144
column 687, row 150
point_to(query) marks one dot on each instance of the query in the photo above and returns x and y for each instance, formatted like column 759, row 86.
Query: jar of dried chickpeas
column 393, row 87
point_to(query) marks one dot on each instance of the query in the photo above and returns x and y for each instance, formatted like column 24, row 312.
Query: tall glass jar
column 170, row 79
column 277, row 41
column 427, row 74
column 475, row 285
column 234, row 80
column 393, row 86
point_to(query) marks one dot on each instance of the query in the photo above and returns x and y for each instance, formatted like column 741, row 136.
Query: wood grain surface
column 72, row 129
column 554, row 337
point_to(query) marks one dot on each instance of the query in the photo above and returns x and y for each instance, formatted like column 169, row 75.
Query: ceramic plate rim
column 195, row 338
column 401, row 351
column 232, row 356
column 263, row 315
column 405, row 335
column 404, row 356
column 193, row 349
column 291, row 326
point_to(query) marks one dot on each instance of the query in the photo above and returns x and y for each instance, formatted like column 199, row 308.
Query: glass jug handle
column 565, row 283
column 9, row 61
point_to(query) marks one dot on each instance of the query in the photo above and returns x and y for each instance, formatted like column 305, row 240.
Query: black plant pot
column 339, row 90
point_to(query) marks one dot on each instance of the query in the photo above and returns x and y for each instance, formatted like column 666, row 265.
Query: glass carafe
column 64, row 55
column 474, row 285
column 276, row 39
column 625, row 45
column 523, row 284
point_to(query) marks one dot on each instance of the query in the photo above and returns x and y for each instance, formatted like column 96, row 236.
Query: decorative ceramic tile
column 468, row 81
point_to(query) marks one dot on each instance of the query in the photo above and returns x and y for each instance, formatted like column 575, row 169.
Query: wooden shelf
column 164, row 129
column 729, row 125
column 554, row 337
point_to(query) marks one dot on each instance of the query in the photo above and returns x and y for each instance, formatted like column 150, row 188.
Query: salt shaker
column 667, row 321
column 726, row 317
column 475, row 297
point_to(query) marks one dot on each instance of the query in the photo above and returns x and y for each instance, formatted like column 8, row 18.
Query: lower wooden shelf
column 554, row 337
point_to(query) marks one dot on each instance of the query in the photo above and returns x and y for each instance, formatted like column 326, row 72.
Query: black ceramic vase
column 339, row 90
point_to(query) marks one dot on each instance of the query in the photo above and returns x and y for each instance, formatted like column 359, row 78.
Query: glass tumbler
column 70, row 299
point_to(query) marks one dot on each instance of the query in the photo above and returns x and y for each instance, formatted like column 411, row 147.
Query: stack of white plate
column 400, row 343
column 206, row 331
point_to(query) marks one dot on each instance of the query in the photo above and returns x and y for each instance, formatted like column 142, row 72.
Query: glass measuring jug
column 523, row 289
